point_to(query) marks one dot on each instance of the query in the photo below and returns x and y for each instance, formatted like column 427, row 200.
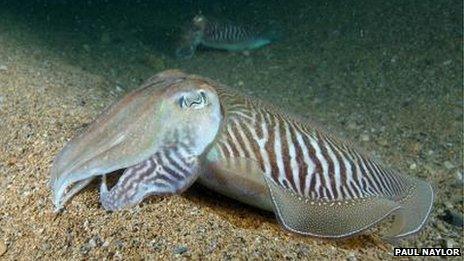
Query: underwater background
column 387, row 75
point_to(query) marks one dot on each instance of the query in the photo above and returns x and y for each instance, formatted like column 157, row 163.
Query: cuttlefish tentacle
column 169, row 171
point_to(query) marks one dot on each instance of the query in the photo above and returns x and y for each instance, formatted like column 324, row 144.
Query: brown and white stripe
column 166, row 171
column 228, row 33
column 298, row 157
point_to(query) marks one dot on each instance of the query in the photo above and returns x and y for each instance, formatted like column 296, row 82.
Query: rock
column 453, row 218
column 413, row 166
column 3, row 248
column 3, row 68
column 180, row 250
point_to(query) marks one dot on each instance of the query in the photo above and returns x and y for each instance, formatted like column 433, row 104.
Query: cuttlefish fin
column 166, row 172
column 328, row 219
column 416, row 206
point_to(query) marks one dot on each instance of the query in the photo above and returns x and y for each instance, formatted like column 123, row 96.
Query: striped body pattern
column 301, row 158
column 227, row 33
column 168, row 171
column 223, row 36
column 190, row 128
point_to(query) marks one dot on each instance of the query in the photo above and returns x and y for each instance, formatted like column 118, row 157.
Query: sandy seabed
column 45, row 99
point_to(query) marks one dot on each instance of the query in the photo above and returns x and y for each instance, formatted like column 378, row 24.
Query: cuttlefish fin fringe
column 327, row 219
column 415, row 210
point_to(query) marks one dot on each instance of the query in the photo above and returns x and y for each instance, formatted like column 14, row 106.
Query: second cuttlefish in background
column 223, row 36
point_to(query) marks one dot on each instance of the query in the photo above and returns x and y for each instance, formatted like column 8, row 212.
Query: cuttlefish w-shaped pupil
column 168, row 171
column 196, row 100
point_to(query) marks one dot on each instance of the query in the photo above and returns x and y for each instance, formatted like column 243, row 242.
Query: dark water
column 332, row 50
column 391, row 70
column 350, row 57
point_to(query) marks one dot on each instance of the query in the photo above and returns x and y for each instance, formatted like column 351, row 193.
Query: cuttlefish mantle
column 178, row 128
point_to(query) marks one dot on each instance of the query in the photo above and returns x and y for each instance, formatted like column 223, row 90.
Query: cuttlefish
column 222, row 36
column 178, row 128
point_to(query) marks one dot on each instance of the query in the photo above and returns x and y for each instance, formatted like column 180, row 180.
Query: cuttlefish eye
column 198, row 19
column 195, row 100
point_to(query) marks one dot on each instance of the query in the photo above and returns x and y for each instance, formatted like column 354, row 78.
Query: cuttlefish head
column 191, row 37
column 170, row 108
column 199, row 22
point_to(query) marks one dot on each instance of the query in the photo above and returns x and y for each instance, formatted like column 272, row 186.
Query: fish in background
column 222, row 36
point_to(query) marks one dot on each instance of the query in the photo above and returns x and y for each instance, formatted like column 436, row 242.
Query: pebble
column 413, row 166
column 447, row 62
column 459, row 177
column 383, row 142
column 106, row 243
column 447, row 243
column 448, row 165
column 92, row 243
column 180, row 250
column 3, row 68
column 3, row 248
column 352, row 126
column 352, row 256
column 450, row 243
column 364, row 137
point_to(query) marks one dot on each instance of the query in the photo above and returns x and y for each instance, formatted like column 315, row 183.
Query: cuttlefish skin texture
column 179, row 128
column 222, row 36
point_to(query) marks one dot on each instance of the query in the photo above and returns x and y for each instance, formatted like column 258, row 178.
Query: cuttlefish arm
column 171, row 108
column 169, row 171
